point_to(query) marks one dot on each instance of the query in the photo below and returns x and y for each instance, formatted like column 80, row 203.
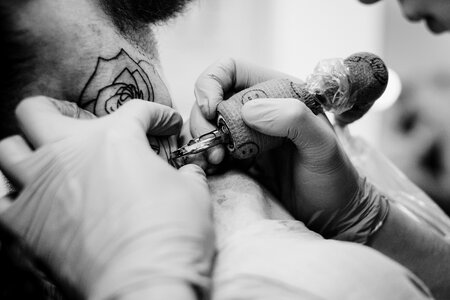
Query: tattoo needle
column 202, row 143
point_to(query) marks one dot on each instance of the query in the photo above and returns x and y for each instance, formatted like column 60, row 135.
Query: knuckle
column 228, row 62
column 228, row 66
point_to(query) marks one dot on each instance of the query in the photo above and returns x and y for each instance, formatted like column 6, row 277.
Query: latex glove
column 312, row 176
column 105, row 213
column 219, row 82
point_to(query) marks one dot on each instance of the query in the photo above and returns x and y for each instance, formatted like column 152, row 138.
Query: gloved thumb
column 289, row 118
column 194, row 172
column 154, row 118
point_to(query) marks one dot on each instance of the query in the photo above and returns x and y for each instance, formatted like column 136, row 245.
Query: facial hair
column 135, row 13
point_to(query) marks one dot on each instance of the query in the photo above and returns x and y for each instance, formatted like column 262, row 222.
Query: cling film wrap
column 330, row 79
column 393, row 183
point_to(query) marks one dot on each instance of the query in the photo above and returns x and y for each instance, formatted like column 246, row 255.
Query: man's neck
column 73, row 35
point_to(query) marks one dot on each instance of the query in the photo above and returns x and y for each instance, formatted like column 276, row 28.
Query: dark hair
column 132, row 14
column 16, row 52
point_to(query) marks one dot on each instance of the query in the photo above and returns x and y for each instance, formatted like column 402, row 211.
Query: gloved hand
column 105, row 213
column 312, row 176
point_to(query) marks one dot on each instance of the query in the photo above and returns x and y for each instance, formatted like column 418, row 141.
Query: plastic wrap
column 331, row 75
column 391, row 181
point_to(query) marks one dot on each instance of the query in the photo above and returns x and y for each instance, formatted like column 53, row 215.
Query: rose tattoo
column 113, row 82
column 119, row 79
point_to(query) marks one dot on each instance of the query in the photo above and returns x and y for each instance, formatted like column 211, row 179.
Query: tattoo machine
column 347, row 87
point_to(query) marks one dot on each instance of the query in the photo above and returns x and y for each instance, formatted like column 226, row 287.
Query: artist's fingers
column 72, row 110
column 199, row 126
column 154, row 119
column 195, row 173
column 185, row 133
column 228, row 76
column 198, row 159
column 42, row 121
column 292, row 119
column 13, row 151
column 212, row 84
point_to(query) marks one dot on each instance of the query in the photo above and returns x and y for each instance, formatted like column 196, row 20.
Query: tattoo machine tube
column 348, row 88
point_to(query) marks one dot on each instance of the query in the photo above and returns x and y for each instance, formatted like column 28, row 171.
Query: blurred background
column 410, row 125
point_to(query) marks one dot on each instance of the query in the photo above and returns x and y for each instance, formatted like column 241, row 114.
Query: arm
column 419, row 248
column 332, row 199
column 264, row 253
column 317, row 183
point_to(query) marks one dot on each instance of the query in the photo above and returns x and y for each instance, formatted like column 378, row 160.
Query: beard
column 135, row 13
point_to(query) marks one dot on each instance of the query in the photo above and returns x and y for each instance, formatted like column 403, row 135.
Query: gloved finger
column 14, row 150
column 292, row 119
column 155, row 119
column 42, row 121
column 72, row 110
column 5, row 203
column 198, row 159
column 195, row 173
column 211, row 85
column 185, row 133
column 226, row 76
column 199, row 126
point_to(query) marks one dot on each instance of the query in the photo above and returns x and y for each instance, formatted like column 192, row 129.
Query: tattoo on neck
column 113, row 82
column 119, row 79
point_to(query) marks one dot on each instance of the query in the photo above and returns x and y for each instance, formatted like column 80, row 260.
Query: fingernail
column 216, row 155
column 193, row 168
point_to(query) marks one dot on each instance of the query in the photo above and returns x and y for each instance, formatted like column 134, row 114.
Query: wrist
column 358, row 220
column 363, row 216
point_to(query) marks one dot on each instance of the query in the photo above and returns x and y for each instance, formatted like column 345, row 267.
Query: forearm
column 418, row 248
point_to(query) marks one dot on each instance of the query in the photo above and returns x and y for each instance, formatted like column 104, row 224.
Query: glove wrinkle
column 358, row 220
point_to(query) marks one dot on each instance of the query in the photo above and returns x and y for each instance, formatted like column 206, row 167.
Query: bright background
column 292, row 36
column 287, row 35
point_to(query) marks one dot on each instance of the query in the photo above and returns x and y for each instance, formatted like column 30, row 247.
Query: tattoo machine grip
column 346, row 87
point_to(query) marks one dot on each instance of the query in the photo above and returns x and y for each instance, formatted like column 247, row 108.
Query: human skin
column 72, row 43
column 264, row 253
column 83, row 58
column 436, row 13
column 415, row 246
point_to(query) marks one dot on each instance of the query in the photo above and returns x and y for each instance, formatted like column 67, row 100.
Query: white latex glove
column 219, row 82
column 326, row 190
column 311, row 176
column 108, row 216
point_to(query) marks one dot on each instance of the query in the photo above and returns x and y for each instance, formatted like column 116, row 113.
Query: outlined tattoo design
column 119, row 79
column 114, row 82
